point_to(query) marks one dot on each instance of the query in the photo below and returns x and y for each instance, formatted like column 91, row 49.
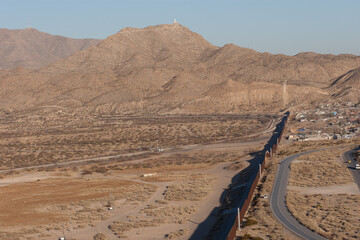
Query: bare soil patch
column 48, row 201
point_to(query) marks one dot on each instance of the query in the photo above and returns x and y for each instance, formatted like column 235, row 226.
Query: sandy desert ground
column 90, row 165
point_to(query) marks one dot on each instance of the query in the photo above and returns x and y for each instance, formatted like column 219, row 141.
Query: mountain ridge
column 31, row 48
column 170, row 69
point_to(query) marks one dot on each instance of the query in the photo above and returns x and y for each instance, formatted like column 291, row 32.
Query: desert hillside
column 170, row 69
column 309, row 69
column 347, row 86
column 33, row 49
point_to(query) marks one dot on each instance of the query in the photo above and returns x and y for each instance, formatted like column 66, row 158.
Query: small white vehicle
column 357, row 166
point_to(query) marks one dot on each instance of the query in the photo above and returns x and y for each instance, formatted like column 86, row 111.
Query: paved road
column 278, row 201
column 348, row 156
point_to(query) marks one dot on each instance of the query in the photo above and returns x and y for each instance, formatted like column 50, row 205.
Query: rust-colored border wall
column 268, row 154
column 232, row 233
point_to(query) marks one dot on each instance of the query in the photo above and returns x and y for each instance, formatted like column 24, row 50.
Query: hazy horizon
column 279, row 27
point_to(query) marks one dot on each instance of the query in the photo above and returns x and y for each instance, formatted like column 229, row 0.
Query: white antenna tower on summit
column 175, row 20
column 28, row 23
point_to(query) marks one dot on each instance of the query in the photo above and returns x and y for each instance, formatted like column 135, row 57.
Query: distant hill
column 170, row 69
column 347, row 86
column 309, row 69
column 33, row 49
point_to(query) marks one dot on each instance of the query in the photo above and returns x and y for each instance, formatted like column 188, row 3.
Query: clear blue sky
column 276, row 26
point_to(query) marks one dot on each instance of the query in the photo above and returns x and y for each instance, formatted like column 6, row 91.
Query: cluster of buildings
column 330, row 121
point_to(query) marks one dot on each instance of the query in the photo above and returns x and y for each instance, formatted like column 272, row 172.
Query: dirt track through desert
column 204, row 207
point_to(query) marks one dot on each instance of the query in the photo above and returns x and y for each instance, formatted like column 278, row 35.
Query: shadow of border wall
column 240, row 191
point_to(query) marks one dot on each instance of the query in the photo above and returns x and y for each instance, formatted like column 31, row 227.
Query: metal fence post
column 260, row 169
column 238, row 210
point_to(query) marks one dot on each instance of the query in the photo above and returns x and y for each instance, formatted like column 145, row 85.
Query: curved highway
column 349, row 158
column 278, row 201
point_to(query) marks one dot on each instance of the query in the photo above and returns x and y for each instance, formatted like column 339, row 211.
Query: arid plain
column 140, row 135
column 162, row 175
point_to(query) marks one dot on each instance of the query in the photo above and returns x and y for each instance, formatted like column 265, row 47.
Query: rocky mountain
column 347, row 86
column 170, row 69
column 33, row 49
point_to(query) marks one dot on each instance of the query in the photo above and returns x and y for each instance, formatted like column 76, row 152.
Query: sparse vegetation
column 111, row 136
column 249, row 222
column 99, row 183
column 120, row 227
column 191, row 190
column 177, row 234
column 319, row 169
column 334, row 216
column 249, row 237
column 100, row 236
column 178, row 214
column 357, row 156
column 134, row 139
column 60, row 205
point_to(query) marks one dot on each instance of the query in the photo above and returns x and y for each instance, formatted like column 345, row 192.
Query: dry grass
column 194, row 189
column 249, row 237
column 176, row 161
column 319, row 169
column 120, row 227
column 357, row 156
column 333, row 216
column 250, row 222
column 100, row 236
column 170, row 213
column 176, row 235
column 34, row 142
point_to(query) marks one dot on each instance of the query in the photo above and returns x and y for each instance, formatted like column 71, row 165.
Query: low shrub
column 250, row 222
